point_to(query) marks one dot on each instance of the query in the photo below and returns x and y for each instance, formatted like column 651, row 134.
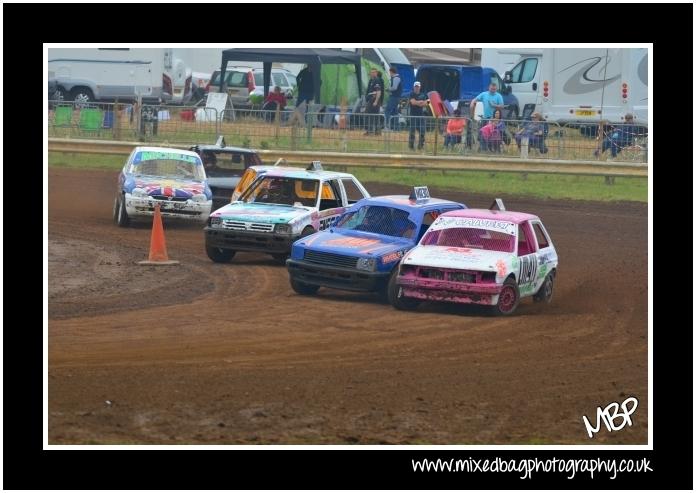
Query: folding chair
column 63, row 116
column 91, row 120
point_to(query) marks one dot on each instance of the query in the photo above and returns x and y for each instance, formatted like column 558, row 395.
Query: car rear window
column 233, row 78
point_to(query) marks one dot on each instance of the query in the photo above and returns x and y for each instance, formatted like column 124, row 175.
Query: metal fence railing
column 348, row 132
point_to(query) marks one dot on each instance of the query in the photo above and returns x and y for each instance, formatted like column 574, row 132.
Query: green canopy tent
column 314, row 57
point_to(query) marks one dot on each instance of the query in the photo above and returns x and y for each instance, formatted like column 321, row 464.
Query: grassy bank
column 533, row 185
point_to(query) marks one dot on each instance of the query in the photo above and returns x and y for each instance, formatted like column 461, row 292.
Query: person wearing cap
column 491, row 99
column 621, row 136
column 374, row 98
column 395, row 88
column 417, row 101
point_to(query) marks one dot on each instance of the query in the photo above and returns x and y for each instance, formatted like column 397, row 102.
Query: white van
column 104, row 74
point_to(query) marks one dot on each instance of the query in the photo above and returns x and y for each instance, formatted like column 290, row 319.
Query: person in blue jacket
column 620, row 136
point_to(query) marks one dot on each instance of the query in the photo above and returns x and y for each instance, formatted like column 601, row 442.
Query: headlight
column 199, row 197
column 215, row 222
column 367, row 264
column 139, row 193
column 283, row 228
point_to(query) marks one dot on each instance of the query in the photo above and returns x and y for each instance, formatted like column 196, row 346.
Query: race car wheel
column 307, row 231
column 302, row 288
column 508, row 299
column 116, row 207
column 399, row 302
column 219, row 255
column 545, row 292
column 120, row 213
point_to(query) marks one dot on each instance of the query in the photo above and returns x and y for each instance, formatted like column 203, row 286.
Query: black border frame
column 26, row 465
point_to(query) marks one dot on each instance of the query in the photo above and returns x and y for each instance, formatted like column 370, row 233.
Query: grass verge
column 531, row 185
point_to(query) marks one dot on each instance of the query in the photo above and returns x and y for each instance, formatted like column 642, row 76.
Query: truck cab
column 462, row 83
column 523, row 78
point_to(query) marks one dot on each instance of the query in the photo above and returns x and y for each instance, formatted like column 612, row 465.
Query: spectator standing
column 417, row 101
column 395, row 88
column 305, row 85
column 374, row 96
column 491, row 99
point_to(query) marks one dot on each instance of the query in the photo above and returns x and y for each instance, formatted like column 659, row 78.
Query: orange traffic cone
column 158, row 248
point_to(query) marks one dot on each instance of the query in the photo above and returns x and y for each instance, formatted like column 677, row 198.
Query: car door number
column 528, row 270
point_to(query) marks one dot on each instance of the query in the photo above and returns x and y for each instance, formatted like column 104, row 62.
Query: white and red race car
column 480, row 256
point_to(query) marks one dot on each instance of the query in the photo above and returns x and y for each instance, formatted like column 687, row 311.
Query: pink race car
column 486, row 257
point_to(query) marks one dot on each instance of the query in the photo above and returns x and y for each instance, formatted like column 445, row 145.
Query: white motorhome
column 504, row 59
column 576, row 87
column 591, row 84
column 105, row 74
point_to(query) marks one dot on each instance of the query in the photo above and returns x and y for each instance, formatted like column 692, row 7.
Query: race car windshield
column 169, row 167
column 381, row 220
column 283, row 191
column 481, row 239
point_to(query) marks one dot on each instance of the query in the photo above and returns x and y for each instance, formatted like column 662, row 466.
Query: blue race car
column 362, row 249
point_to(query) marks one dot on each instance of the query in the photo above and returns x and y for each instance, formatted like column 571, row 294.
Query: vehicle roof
column 272, row 70
column 405, row 201
column 166, row 149
column 509, row 216
column 215, row 147
column 303, row 173
column 447, row 65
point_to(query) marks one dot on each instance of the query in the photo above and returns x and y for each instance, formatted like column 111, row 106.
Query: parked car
column 239, row 82
column 281, row 205
column 485, row 257
column 243, row 82
column 362, row 250
column 224, row 167
column 173, row 178
column 280, row 77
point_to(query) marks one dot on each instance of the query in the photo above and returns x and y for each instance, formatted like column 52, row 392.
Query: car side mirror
column 507, row 77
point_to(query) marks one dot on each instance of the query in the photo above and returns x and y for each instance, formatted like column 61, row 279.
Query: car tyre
column 545, row 292
column 302, row 288
column 81, row 96
column 399, row 302
column 280, row 257
column 219, row 255
column 120, row 213
column 307, row 231
column 509, row 298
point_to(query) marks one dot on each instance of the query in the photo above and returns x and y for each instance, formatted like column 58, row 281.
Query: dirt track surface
column 208, row 353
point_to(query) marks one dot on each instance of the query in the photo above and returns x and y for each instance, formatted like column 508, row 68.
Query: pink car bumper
column 451, row 291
